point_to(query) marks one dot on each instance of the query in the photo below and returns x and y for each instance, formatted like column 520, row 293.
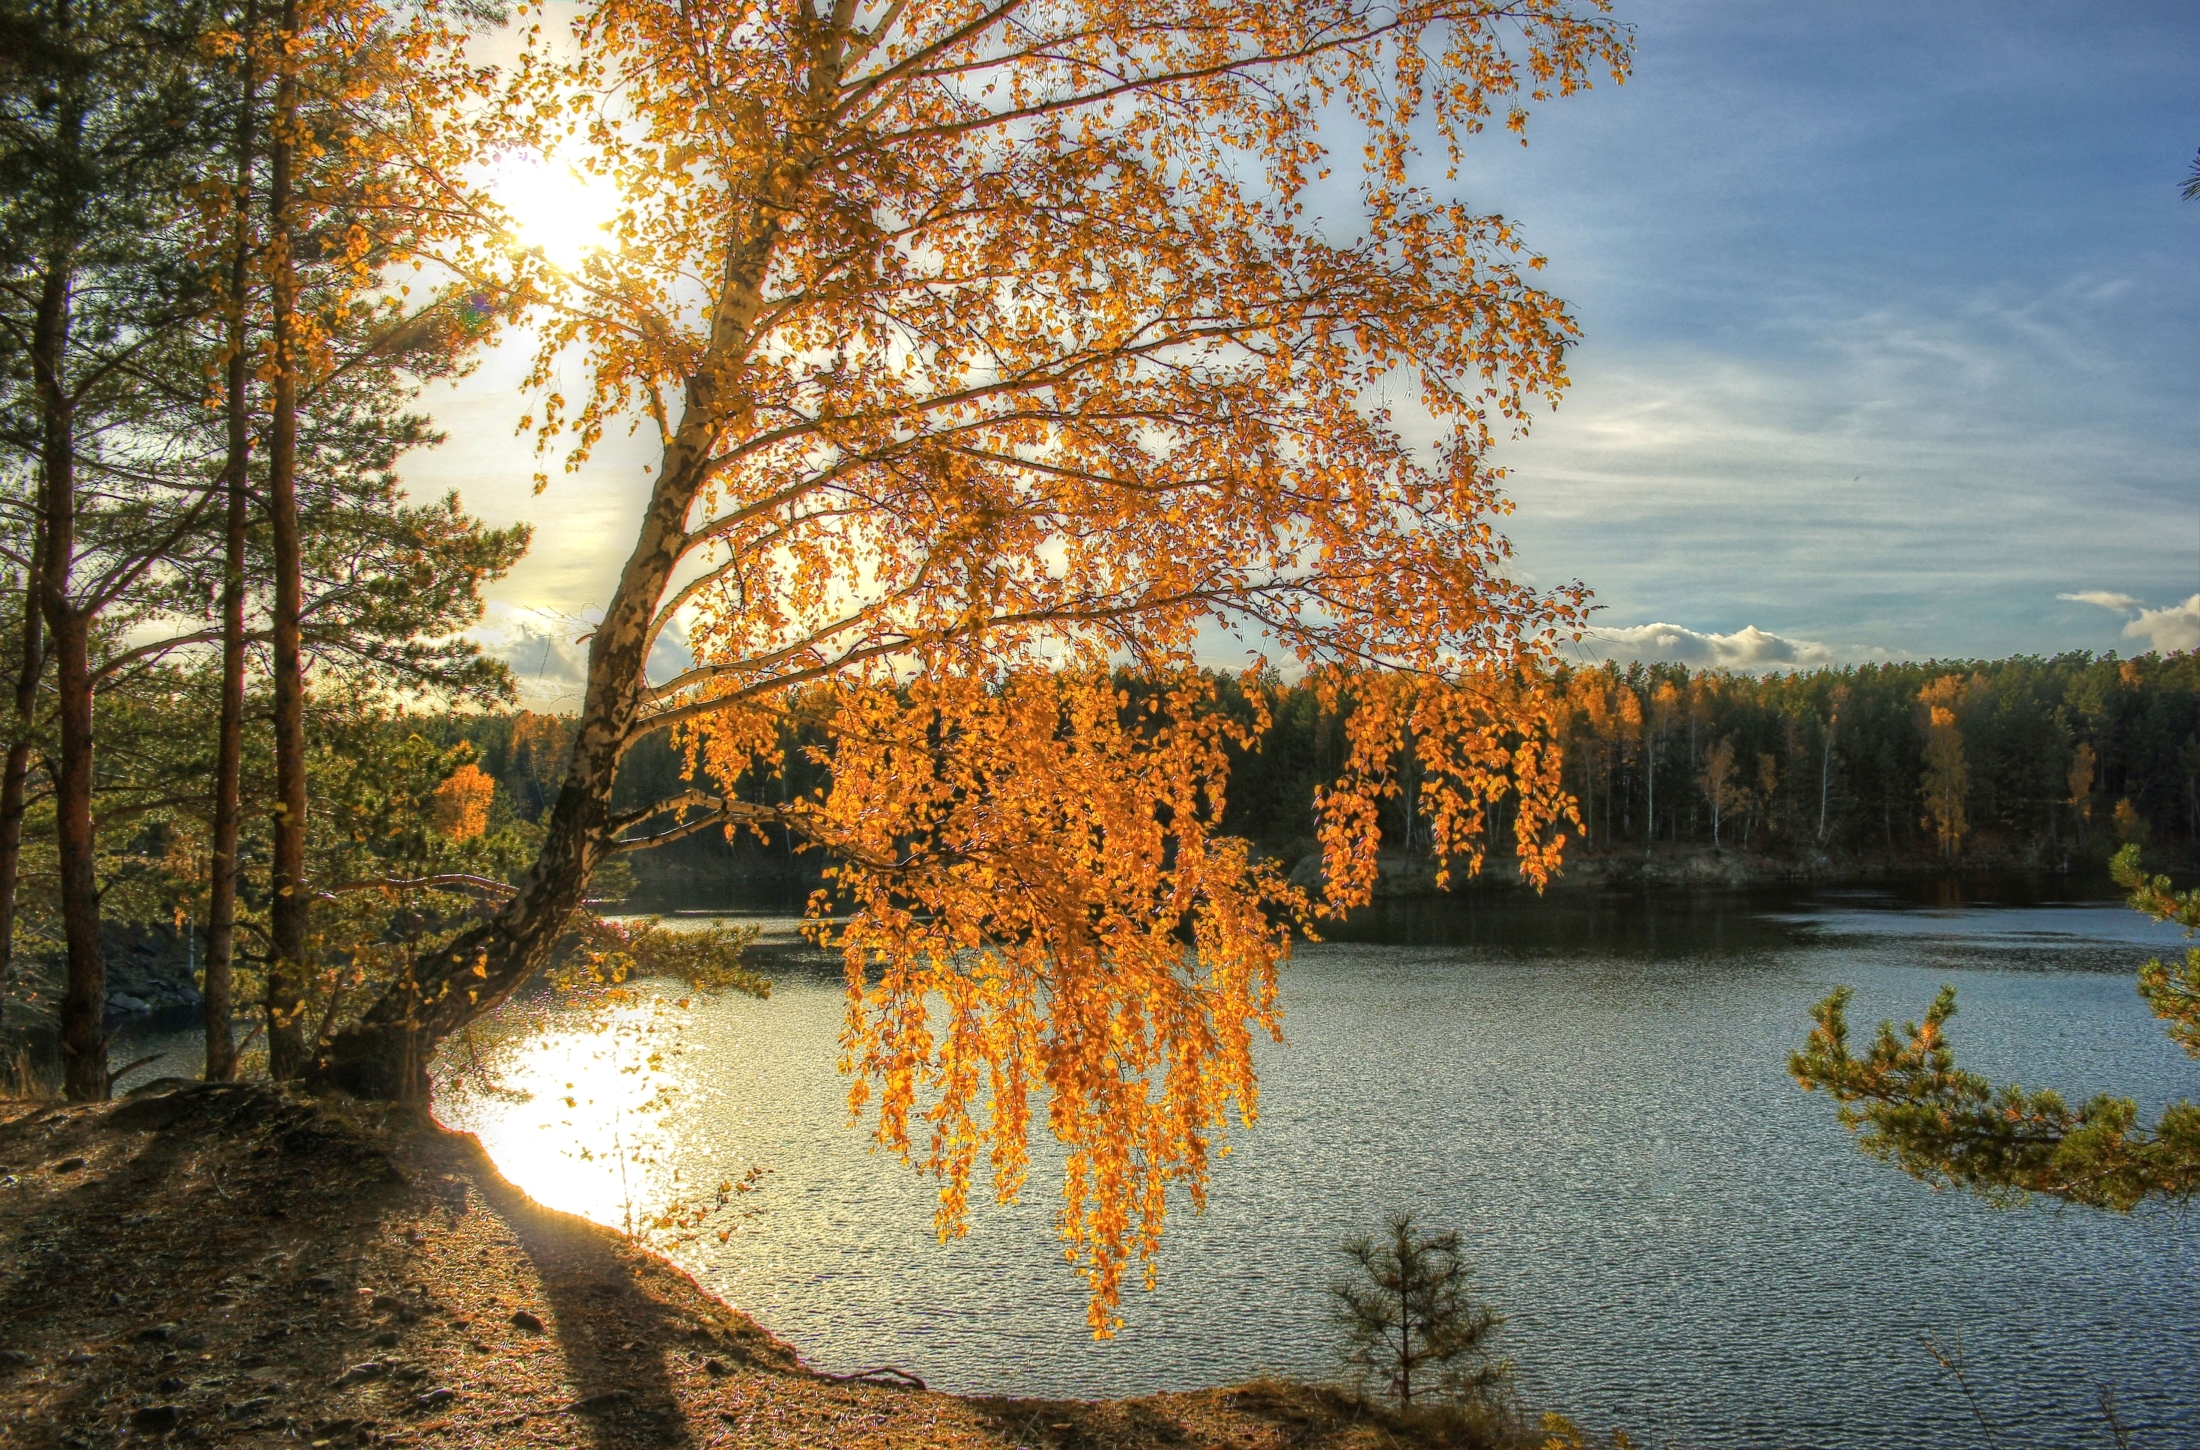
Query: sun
column 555, row 207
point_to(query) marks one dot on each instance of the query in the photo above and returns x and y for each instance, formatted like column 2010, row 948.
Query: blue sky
column 1893, row 325
column 1892, row 344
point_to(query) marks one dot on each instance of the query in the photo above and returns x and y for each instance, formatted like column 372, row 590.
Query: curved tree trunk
column 386, row 1054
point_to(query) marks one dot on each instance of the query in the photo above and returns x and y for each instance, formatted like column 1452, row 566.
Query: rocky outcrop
column 1696, row 867
column 1396, row 874
column 150, row 969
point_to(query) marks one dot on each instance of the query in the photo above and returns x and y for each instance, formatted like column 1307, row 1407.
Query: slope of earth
column 227, row 1265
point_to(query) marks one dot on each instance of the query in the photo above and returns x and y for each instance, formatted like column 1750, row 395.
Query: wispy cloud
column 2102, row 597
column 1834, row 374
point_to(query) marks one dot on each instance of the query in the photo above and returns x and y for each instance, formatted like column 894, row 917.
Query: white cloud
column 2164, row 630
column 1749, row 648
column 548, row 651
column 2174, row 628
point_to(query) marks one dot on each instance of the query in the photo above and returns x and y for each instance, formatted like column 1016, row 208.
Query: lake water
column 1592, row 1091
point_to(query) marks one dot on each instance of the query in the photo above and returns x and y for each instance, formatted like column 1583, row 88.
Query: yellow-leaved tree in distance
column 995, row 350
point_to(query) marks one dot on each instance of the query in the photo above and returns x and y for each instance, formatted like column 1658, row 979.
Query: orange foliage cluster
column 459, row 809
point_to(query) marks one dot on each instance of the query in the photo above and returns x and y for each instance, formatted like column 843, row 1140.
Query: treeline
column 2022, row 762
column 2026, row 762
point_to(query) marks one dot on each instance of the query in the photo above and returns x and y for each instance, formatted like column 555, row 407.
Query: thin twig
column 115, row 1077
column 447, row 882
column 1953, row 1364
column 2116, row 1427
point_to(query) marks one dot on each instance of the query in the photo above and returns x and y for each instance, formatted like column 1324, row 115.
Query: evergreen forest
column 2031, row 764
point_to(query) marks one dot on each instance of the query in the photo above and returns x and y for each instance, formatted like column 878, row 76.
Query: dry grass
column 229, row 1266
column 21, row 1081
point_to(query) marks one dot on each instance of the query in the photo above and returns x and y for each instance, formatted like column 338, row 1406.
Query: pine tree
column 1409, row 1323
column 1912, row 1105
column 103, row 126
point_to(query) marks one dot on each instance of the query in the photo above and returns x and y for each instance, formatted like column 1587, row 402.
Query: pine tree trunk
column 15, row 783
column 291, row 901
column 221, row 914
column 84, row 999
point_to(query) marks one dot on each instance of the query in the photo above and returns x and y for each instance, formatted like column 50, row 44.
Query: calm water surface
column 1595, row 1095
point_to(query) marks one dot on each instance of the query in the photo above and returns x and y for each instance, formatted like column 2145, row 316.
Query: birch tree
column 988, row 347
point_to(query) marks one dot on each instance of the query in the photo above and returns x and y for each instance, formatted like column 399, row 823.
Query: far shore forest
column 2024, row 764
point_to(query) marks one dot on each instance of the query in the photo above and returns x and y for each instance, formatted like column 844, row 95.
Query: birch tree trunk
column 386, row 1054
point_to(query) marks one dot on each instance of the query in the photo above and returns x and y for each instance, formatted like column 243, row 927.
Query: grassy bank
column 230, row 1266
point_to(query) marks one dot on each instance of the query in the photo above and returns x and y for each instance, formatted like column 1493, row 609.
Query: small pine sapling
column 1408, row 1319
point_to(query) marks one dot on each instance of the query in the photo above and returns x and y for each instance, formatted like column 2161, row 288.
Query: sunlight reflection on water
column 570, row 1104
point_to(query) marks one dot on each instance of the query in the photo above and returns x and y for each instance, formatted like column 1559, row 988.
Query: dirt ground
column 223, row 1265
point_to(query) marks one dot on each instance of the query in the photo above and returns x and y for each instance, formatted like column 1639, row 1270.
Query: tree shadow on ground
column 616, row 1339
column 228, row 1265
column 166, row 1267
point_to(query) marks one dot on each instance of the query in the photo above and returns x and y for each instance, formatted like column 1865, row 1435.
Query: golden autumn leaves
column 1045, row 913
column 998, row 369
column 459, row 807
